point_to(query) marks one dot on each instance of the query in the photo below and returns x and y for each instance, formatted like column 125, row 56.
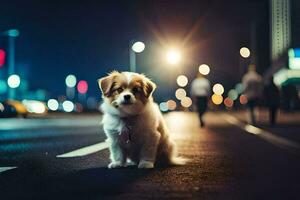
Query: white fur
column 150, row 141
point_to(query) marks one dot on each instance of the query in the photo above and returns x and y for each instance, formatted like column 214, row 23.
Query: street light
column 173, row 56
column 13, row 81
column 70, row 83
column 204, row 69
column 245, row 52
column 136, row 47
column 12, row 34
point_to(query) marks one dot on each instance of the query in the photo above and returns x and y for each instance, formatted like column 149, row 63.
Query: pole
column 132, row 60
column 11, row 64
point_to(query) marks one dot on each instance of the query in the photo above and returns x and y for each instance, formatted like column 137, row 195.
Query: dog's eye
column 135, row 90
column 119, row 90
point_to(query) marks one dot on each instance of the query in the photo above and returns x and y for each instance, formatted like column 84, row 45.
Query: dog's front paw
column 146, row 164
column 115, row 164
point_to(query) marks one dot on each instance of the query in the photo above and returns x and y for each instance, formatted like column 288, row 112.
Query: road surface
column 66, row 158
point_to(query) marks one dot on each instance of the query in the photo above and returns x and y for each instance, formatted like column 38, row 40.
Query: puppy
column 133, row 123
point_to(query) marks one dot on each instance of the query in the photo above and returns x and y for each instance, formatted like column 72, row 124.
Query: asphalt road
column 66, row 158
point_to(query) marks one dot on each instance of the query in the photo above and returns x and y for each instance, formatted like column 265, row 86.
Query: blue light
column 297, row 52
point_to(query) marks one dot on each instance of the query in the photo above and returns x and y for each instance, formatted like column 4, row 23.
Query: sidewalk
column 288, row 124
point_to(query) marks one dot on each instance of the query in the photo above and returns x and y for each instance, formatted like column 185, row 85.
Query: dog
column 133, row 123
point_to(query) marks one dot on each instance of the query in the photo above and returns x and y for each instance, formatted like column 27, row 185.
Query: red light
column 2, row 57
column 243, row 99
column 82, row 87
column 228, row 102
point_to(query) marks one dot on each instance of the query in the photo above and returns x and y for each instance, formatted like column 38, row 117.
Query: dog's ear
column 105, row 85
column 148, row 87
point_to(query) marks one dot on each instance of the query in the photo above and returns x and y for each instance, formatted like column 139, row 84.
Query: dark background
column 91, row 38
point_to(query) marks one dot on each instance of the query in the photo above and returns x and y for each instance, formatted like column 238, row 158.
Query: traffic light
column 2, row 57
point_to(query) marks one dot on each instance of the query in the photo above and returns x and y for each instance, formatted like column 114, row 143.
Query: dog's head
column 127, row 92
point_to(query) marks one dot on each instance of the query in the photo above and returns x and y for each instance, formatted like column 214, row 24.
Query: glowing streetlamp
column 218, row 89
column 70, row 83
column 245, row 52
column 182, row 80
column 204, row 69
column 136, row 47
column 173, row 56
column 13, row 81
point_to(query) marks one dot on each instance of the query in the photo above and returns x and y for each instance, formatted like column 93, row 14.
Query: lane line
column 85, row 150
column 3, row 169
column 276, row 140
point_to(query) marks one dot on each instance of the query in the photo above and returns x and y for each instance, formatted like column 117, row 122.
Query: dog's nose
column 127, row 97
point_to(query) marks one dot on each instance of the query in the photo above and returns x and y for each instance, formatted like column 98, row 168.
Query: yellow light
column 204, row 69
column 171, row 105
column 138, row 47
column 182, row 80
column 173, row 57
column 218, row 89
column 186, row 102
column 217, row 99
column 245, row 52
column 180, row 93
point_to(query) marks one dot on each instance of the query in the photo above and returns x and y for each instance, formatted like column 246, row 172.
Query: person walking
column 272, row 99
column 253, row 89
column 200, row 91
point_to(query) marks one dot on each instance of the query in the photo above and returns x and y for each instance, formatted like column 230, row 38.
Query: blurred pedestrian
column 272, row 99
column 200, row 91
column 253, row 89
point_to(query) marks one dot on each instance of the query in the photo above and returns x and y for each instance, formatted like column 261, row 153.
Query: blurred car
column 12, row 109
column 19, row 107
column 35, row 107
column 7, row 110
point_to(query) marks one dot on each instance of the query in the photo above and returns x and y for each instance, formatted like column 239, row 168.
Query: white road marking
column 3, row 169
column 268, row 136
column 25, row 124
column 85, row 150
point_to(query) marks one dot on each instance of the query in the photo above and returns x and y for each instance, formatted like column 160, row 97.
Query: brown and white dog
column 133, row 123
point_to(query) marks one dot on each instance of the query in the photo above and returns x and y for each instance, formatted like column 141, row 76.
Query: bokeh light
column 163, row 106
column 239, row 88
column 52, row 104
column 186, row 102
column 71, row 80
column 138, row 47
column 68, row 106
column 180, row 93
column 171, row 105
column 243, row 99
column 217, row 99
column 233, row 94
column 82, row 87
column 173, row 56
column 34, row 106
column 182, row 80
column 218, row 89
column 204, row 69
column 244, row 52
column 228, row 102
column 2, row 57
column 13, row 81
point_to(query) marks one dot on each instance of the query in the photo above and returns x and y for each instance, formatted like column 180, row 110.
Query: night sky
column 91, row 38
